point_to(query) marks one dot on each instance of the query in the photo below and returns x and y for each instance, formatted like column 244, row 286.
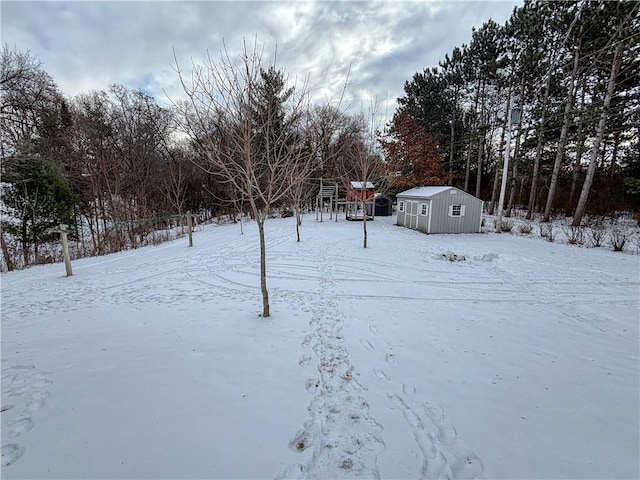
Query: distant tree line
column 115, row 166
column 99, row 162
column 573, row 67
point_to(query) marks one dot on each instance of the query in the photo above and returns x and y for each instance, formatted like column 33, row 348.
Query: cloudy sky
column 87, row 45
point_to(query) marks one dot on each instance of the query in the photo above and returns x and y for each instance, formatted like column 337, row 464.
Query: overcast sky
column 89, row 45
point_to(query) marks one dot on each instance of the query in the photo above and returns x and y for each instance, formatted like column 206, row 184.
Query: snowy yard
column 520, row 362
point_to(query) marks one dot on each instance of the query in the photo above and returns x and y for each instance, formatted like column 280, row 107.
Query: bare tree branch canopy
column 27, row 93
column 361, row 161
column 249, row 125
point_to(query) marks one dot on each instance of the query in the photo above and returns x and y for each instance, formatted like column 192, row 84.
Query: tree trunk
column 481, row 141
column 494, row 189
column 503, row 182
column 321, row 200
column 586, row 187
column 496, row 177
column 514, row 176
column 514, row 187
column 24, row 240
column 364, row 221
column 614, row 154
column 34, row 238
column 579, row 150
column 298, row 223
column 516, row 155
column 575, row 174
column 479, row 174
column 563, row 137
column 95, row 213
column 475, row 133
column 533, row 193
column 451, row 147
column 103, row 212
column 467, row 168
column 94, row 240
column 6, row 255
column 263, row 267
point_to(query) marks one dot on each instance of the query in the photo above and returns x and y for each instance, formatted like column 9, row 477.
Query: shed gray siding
column 438, row 218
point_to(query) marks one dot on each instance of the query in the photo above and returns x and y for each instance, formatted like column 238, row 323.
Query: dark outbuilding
column 384, row 206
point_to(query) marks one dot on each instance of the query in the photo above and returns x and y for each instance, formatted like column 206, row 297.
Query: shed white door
column 412, row 214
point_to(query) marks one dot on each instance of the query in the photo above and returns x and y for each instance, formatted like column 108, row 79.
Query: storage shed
column 384, row 205
column 439, row 210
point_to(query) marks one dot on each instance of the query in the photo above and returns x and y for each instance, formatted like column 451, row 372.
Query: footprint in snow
column 20, row 427
column 30, row 388
column 390, row 358
column 37, row 402
column 312, row 384
column 442, row 455
column 366, row 344
column 40, row 380
column 380, row 374
column 304, row 360
column 467, row 465
column 10, row 453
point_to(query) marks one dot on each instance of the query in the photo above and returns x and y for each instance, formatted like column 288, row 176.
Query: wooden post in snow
column 321, row 200
column 336, row 204
column 62, row 229
column 190, row 228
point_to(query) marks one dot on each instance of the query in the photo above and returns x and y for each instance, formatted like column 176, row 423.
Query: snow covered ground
column 520, row 362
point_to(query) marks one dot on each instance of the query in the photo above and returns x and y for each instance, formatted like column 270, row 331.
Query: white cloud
column 89, row 45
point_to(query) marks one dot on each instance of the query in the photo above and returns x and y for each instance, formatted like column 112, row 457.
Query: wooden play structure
column 357, row 193
column 328, row 198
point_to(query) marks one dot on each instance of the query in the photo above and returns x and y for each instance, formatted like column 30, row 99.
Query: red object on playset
column 356, row 192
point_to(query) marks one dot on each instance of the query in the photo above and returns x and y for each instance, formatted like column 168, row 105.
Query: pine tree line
column 573, row 68
column 115, row 166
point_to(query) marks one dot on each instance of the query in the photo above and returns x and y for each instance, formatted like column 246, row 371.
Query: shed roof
column 359, row 185
column 425, row 192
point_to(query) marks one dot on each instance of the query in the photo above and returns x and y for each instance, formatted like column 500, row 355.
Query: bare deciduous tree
column 302, row 191
column 361, row 162
column 248, row 125
column 27, row 93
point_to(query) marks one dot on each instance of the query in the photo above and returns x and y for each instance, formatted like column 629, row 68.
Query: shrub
column 618, row 238
column 595, row 236
column 525, row 228
column 506, row 225
column 575, row 235
column 546, row 231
